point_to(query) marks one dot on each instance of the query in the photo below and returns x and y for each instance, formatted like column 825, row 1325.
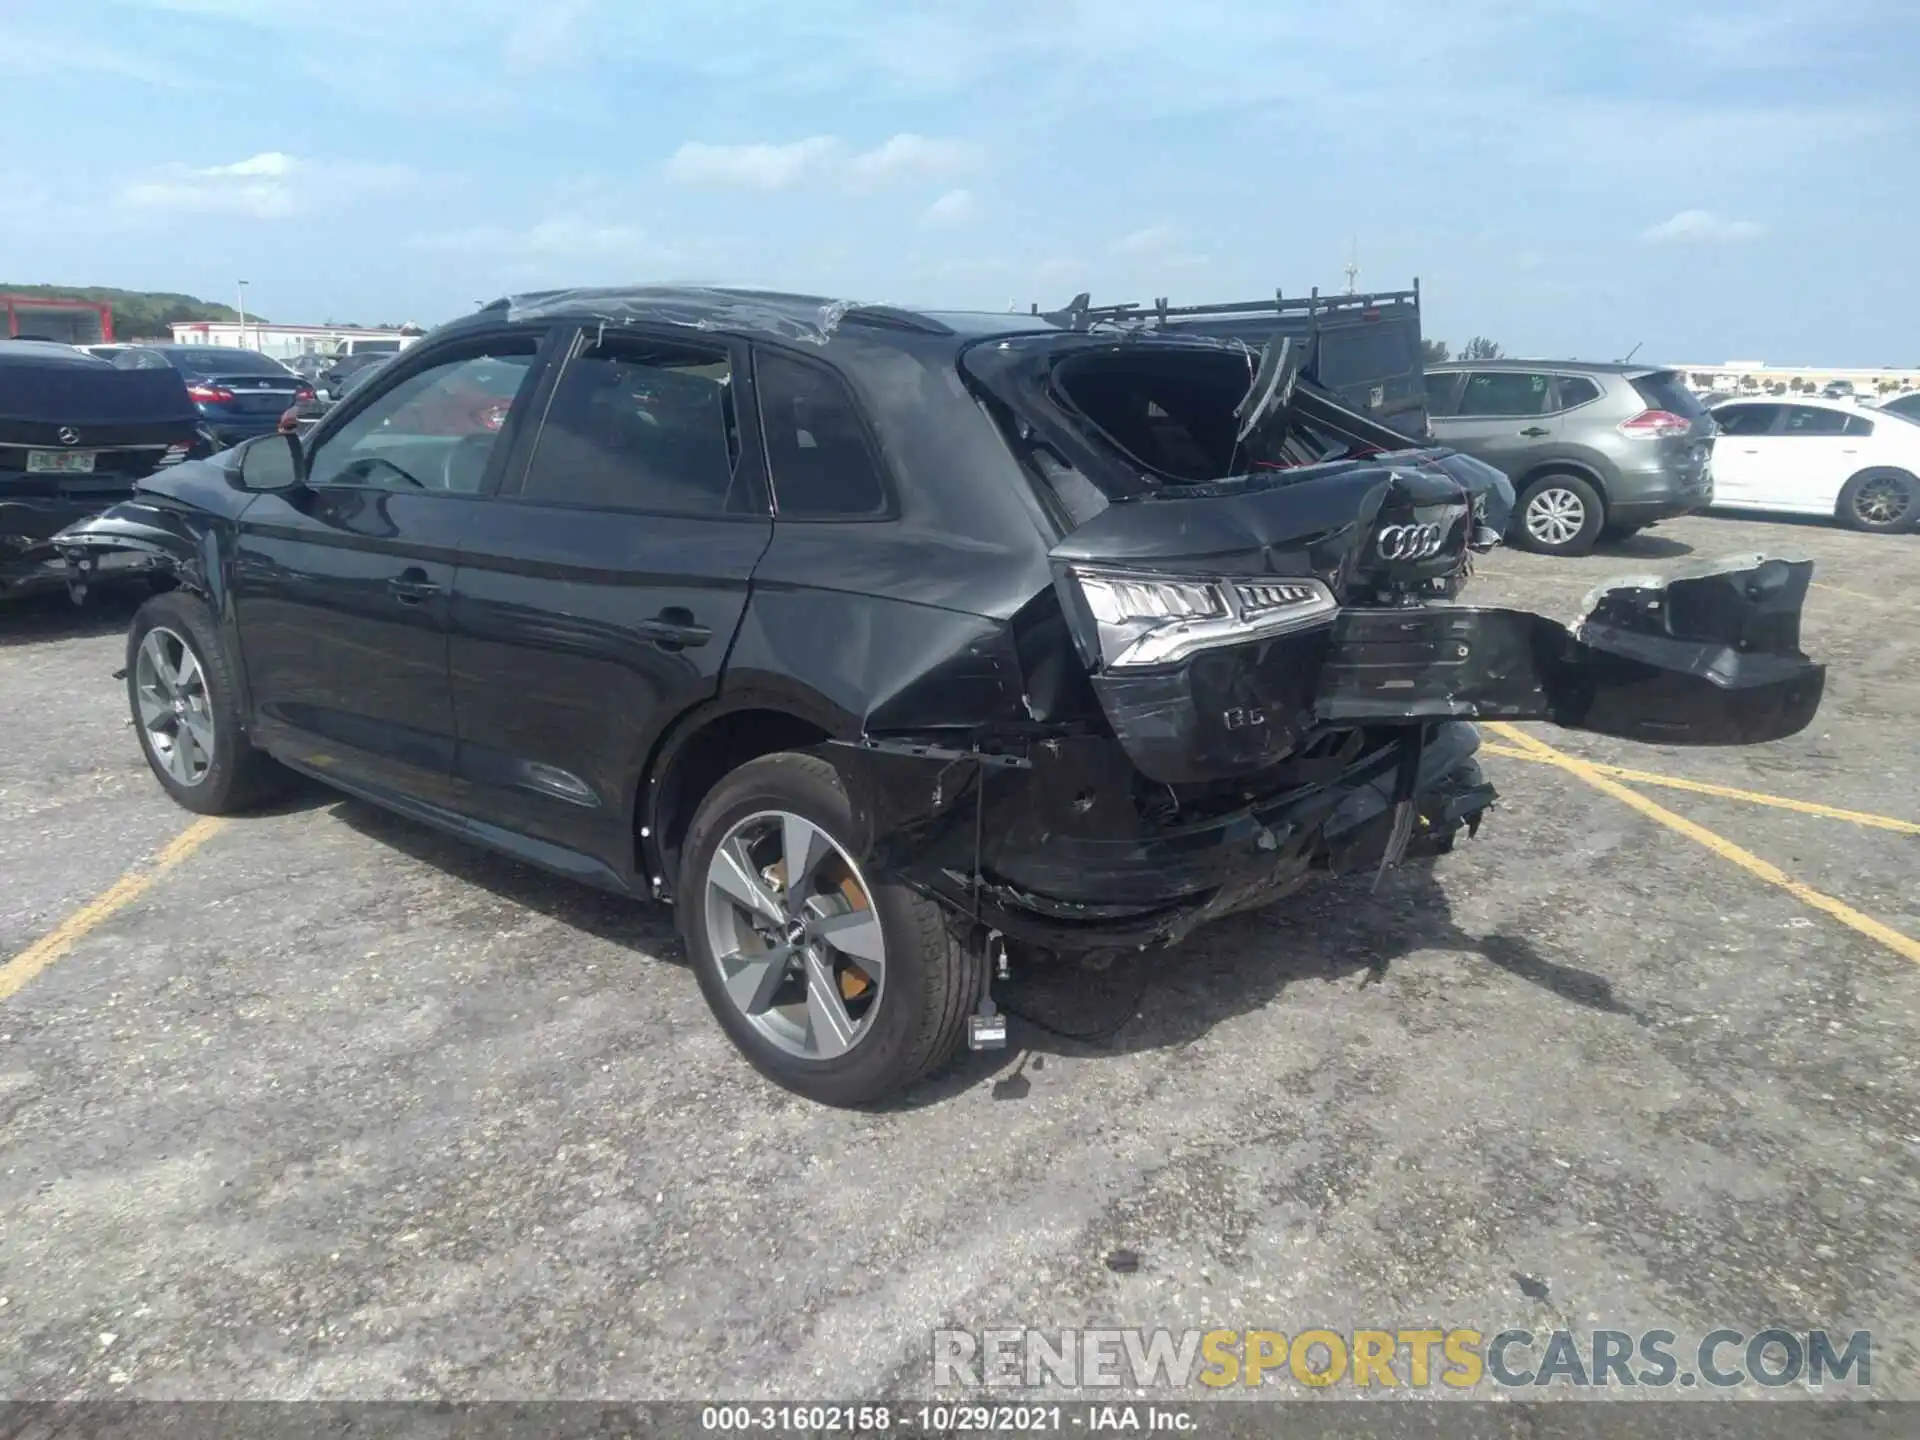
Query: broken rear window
column 1172, row 413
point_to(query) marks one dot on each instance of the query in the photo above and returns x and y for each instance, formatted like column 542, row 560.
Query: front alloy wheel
column 176, row 712
column 793, row 929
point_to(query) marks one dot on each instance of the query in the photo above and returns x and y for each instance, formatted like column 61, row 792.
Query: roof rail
column 1080, row 312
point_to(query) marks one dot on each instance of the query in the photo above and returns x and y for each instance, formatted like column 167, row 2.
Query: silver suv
column 1592, row 450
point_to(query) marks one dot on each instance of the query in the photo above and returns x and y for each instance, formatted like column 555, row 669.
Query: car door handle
column 1533, row 432
column 675, row 629
column 411, row 586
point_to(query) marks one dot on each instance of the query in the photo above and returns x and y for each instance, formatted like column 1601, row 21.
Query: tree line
column 1434, row 352
column 137, row 314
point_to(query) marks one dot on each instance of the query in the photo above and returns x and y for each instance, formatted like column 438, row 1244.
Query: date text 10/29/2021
column 947, row 1419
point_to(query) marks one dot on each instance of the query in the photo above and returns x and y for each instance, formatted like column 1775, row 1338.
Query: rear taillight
column 303, row 396
column 209, row 394
column 1656, row 424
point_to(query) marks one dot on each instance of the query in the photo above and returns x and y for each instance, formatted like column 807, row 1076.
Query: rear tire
column 1880, row 502
column 1558, row 514
column 186, row 710
column 808, row 1022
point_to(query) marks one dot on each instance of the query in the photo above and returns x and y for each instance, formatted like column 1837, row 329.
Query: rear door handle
column 1535, row 431
column 411, row 586
column 675, row 629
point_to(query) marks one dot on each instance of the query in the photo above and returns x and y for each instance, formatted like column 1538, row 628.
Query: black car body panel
column 61, row 408
column 563, row 680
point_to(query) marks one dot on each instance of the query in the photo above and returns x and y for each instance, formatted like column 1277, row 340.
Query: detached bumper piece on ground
column 975, row 641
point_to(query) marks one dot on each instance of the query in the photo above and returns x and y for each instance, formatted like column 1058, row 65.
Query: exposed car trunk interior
column 1175, row 413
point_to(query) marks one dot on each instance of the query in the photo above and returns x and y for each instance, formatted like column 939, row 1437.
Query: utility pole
column 1353, row 268
column 241, row 287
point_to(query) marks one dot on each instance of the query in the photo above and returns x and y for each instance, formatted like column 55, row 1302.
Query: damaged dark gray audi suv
column 891, row 647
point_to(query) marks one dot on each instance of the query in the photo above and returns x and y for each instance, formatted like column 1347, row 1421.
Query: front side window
column 435, row 430
column 1499, row 392
column 643, row 426
column 817, row 451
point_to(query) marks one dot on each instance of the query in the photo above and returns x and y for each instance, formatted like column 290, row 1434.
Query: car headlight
column 1148, row 620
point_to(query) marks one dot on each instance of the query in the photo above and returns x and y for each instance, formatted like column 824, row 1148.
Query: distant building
column 1757, row 376
column 70, row 322
column 283, row 342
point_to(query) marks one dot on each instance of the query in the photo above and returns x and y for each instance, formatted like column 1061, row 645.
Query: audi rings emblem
column 1410, row 542
column 69, row 435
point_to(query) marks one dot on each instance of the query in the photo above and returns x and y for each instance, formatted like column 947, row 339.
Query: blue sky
column 1711, row 180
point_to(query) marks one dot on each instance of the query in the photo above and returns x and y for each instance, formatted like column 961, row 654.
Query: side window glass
column 435, row 430
column 1576, row 390
column 1859, row 425
column 1745, row 419
column 1493, row 392
column 639, row 425
column 1806, row 420
column 822, row 464
column 1440, row 391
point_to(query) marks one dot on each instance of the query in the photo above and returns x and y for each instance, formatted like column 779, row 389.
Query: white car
column 1803, row 456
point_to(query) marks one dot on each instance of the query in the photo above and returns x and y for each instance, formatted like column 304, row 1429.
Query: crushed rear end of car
column 1254, row 663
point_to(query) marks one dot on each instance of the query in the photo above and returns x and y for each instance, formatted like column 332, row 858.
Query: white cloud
column 752, row 167
column 1701, row 227
column 269, row 186
column 908, row 157
column 956, row 207
column 822, row 159
column 1153, row 240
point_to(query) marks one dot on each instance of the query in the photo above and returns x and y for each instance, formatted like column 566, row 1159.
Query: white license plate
column 60, row 462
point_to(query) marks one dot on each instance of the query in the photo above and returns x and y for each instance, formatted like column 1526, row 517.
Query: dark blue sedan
column 239, row 393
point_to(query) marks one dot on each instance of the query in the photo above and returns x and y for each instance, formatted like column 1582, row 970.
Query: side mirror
column 273, row 463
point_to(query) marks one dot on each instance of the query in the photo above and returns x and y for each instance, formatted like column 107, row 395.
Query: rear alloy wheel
column 1884, row 502
column 1558, row 515
column 835, row 985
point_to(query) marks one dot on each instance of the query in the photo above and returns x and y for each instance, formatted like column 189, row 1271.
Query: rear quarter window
column 818, row 452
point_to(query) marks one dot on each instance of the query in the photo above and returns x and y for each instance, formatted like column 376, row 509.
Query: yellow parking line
column 1902, row 945
column 17, row 972
column 1727, row 792
column 1842, row 590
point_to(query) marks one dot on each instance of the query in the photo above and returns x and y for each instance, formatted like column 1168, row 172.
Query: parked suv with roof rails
column 1593, row 450
column 889, row 646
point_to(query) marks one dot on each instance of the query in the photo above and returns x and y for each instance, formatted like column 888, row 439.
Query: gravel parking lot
column 335, row 1107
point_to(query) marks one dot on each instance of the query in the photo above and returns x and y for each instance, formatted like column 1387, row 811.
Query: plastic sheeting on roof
column 697, row 307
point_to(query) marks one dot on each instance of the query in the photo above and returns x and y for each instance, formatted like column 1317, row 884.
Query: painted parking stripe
column 20, row 970
column 1904, row 946
column 1725, row 792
